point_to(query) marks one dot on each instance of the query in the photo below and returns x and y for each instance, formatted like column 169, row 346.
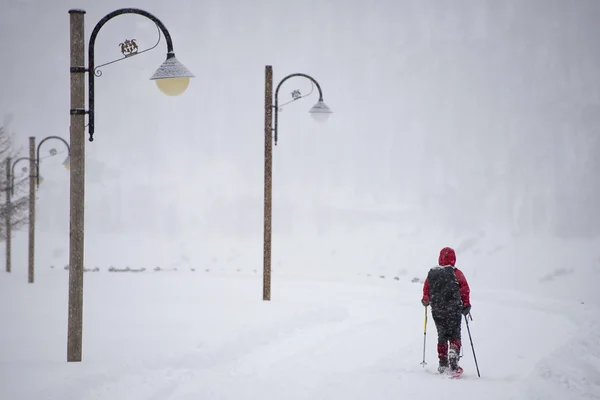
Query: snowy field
column 208, row 335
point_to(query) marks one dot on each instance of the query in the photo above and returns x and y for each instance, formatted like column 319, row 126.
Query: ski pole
column 424, row 338
column 472, row 347
column 462, row 348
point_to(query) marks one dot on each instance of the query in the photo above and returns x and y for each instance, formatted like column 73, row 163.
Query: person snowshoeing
column 447, row 291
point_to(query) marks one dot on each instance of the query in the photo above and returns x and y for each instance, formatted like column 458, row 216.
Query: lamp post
column 7, row 217
column 34, row 181
column 172, row 78
column 321, row 113
column 32, row 170
column 53, row 152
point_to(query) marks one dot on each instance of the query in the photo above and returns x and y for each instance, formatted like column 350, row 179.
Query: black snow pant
column 448, row 325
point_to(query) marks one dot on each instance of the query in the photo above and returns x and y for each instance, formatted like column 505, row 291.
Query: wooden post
column 8, row 214
column 32, row 185
column 268, row 182
column 77, row 186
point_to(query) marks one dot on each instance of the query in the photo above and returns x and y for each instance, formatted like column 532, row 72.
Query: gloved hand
column 425, row 303
column 466, row 310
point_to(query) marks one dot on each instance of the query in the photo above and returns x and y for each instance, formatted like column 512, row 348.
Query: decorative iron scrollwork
column 129, row 48
column 297, row 95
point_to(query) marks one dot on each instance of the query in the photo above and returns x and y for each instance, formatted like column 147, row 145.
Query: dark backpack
column 444, row 290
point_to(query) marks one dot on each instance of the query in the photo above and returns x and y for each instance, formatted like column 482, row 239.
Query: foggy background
column 453, row 120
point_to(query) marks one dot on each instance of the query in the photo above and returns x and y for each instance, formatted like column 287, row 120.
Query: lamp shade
column 320, row 111
column 67, row 162
column 172, row 77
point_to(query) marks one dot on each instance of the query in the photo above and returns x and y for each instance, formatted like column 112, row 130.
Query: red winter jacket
column 448, row 259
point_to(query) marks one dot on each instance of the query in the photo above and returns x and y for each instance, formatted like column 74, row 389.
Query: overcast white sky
column 476, row 114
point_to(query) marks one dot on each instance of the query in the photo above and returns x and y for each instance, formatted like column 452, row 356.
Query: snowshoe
column 456, row 373
column 455, row 370
column 443, row 367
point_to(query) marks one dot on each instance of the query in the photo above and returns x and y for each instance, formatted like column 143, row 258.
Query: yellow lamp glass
column 173, row 86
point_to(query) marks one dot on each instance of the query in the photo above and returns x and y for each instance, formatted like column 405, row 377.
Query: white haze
column 451, row 120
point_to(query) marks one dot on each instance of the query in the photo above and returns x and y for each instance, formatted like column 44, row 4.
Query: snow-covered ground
column 453, row 121
column 356, row 335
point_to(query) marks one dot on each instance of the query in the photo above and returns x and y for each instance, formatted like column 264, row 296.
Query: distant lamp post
column 320, row 112
column 35, row 179
column 66, row 163
column 172, row 78
column 7, row 216
column 24, row 170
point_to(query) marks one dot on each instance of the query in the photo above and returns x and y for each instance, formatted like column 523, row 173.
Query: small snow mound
column 556, row 273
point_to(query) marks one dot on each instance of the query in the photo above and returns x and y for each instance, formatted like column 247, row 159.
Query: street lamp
column 66, row 163
column 32, row 170
column 34, row 177
column 172, row 79
column 24, row 169
column 320, row 112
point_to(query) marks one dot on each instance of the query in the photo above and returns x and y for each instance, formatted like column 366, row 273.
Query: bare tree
column 19, row 199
